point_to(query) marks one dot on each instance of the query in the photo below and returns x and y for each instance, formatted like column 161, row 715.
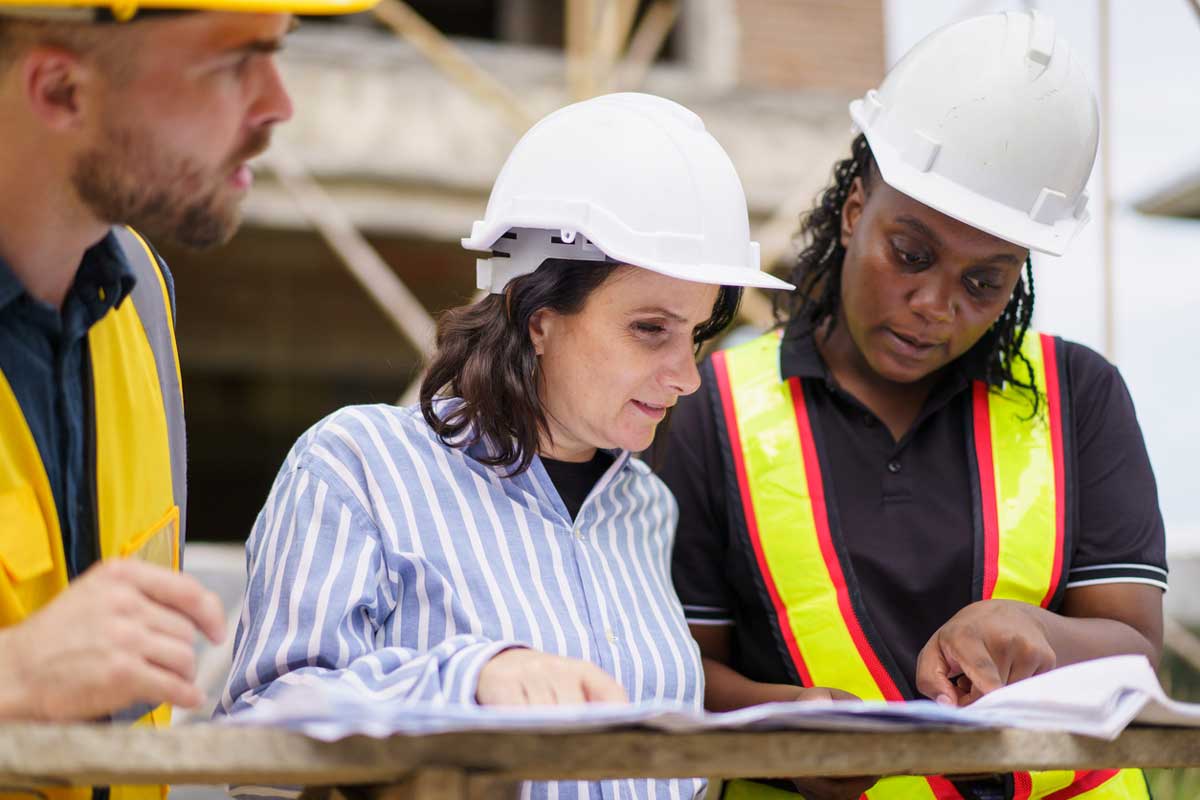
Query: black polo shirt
column 904, row 507
column 44, row 357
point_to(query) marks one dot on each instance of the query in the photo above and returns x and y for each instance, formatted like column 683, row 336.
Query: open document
column 1096, row 698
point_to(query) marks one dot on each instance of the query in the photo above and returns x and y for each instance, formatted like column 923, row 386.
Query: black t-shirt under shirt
column 905, row 507
column 574, row 479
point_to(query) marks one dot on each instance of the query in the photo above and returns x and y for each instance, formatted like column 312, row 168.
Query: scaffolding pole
column 382, row 284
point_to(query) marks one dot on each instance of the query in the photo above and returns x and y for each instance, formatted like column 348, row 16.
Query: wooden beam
column 34, row 754
column 580, row 21
column 372, row 272
column 616, row 21
column 452, row 61
column 644, row 46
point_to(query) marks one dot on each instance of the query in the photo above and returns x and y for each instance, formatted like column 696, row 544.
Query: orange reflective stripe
column 816, row 493
column 721, row 368
column 1054, row 411
column 1022, row 482
column 942, row 788
column 783, row 502
column 1082, row 783
column 1022, row 785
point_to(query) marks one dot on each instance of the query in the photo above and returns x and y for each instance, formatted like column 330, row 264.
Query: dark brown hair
column 486, row 360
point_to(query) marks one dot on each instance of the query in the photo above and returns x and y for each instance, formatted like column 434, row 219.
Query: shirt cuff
column 707, row 615
column 1117, row 573
column 462, row 674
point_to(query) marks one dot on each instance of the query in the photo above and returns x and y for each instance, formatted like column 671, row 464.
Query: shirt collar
column 10, row 286
column 104, row 278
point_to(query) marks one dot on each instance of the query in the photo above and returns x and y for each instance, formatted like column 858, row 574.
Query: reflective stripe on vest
column 820, row 621
column 140, row 486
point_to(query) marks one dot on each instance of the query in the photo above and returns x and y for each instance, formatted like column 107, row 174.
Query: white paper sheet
column 1096, row 698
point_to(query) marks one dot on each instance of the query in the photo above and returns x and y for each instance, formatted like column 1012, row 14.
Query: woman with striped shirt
column 499, row 543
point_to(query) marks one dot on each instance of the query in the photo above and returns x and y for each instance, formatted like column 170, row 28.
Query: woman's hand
column 523, row 677
column 830, row 788
column 988, row 644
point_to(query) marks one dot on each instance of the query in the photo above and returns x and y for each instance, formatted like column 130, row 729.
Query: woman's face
column 610, row 371
column 919, row 288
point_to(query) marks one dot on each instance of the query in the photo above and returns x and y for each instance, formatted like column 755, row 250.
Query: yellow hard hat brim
column 126, row 9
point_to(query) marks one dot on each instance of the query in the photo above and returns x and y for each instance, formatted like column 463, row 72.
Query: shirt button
column 893, row 467
column 610, row 636
column 579, row 536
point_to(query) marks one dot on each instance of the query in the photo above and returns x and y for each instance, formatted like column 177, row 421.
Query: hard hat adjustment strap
column 522, row 250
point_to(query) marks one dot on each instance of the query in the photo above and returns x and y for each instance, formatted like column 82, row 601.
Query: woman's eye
column 981, row 285
column 648, row 327
column 909, row 258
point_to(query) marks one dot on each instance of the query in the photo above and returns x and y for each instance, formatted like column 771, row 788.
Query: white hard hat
column 628, row 177
column 991, row 121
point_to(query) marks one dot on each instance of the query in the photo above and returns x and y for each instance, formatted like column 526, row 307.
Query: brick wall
column 811, row 43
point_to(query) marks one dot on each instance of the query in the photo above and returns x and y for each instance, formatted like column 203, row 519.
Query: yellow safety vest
column 140, row 461
column 1019, row 472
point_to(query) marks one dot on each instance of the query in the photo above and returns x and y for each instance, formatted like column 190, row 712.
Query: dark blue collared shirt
column 45, row 358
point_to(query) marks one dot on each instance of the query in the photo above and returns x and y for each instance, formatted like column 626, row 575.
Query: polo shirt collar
column 103, row 270
column 10, row 286
column 105, row 277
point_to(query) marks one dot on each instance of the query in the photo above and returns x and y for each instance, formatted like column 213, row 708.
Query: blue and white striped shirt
column 390, row 561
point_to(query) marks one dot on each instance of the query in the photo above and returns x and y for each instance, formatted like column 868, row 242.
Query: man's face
column 172, row 137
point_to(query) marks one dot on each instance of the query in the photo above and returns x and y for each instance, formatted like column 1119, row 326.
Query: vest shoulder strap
column 153, row 300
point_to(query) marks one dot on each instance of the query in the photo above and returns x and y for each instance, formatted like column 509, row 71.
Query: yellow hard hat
column 125, row 10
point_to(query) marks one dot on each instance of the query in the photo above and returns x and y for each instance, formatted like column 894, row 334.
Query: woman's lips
column 910, row 346
column 652, row 411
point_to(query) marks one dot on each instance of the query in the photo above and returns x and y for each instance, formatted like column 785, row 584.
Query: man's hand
column 522, row 677
column 988, row 644
column 122, row 633
column 830, row 788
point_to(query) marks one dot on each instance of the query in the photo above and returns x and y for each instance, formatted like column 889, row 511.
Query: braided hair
column 817, row 274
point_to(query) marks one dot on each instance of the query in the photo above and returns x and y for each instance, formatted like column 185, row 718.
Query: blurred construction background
column 405, row 115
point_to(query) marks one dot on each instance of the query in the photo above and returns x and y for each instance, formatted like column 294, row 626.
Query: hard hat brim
column 972, row 209
column 485, row 233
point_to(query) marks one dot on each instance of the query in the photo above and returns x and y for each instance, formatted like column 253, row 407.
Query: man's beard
column 129, row 179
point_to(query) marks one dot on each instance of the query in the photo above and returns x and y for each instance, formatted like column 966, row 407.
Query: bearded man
column 118, row 126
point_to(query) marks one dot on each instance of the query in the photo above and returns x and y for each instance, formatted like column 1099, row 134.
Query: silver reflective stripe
column 150, row 300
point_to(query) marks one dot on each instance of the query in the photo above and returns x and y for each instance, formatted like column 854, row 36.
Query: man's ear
column 56, row 83
column 852, row 209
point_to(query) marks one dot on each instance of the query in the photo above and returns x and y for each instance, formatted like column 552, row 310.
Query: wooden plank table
column 478, row 765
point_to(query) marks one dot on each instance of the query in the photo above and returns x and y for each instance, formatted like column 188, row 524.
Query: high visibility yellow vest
column 1019, row 471
column 140, row 461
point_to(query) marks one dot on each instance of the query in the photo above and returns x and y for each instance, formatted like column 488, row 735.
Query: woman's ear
column 540, row 325
column 852, row 210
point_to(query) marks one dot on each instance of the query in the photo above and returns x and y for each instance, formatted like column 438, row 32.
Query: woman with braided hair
column 905, row 490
